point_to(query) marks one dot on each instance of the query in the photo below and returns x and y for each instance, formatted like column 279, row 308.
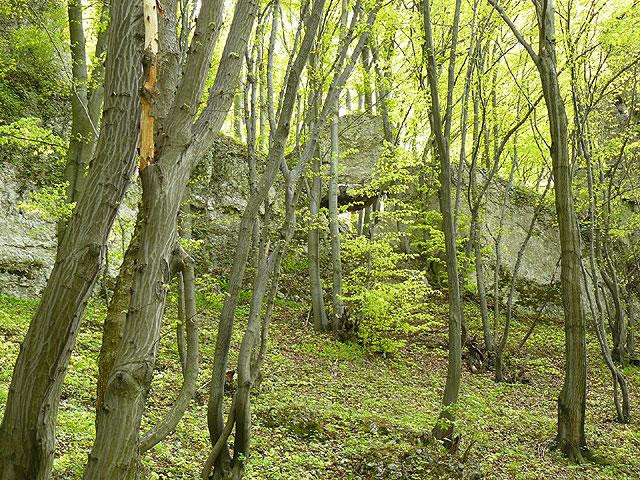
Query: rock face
column 220, row 188
column 360, row 140
column 219, row 196
column 27, row 243
column 361, row 145
column 540, row 258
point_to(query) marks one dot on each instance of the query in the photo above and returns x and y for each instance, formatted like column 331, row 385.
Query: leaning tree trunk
column 477, row 225
column 165, row 170
column 500, row 347
column 367, row 91
column 27, row 434
column 619, row 330
column 620, row 384
column 219, row 458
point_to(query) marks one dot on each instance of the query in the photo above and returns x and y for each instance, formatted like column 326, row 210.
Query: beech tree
column 572, row 400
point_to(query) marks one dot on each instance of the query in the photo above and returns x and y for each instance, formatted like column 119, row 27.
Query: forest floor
column 326, row 410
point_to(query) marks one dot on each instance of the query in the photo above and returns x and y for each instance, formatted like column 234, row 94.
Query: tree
column 441, row 131
column 182, row 138
column 86, row 100
column 220, row 463
column 572, row 400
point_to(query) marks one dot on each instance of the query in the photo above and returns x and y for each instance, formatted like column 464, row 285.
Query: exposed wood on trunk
column 179, row 146
column 150, row 59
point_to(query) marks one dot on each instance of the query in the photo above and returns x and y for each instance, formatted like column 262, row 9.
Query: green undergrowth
column 327, row 410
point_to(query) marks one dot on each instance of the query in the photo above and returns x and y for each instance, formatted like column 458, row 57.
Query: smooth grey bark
column 318, row 312
column 250, row 371
column 443, row 429
column 27, row 437
column 336, row 261
column 180, row 146
column 316, row 290
column 583, row 148
column 219, row 458
column 572, row 399
column 497, row 242
column 482, row 291
column 86, row 101
column 243, row 413
column 81, row 126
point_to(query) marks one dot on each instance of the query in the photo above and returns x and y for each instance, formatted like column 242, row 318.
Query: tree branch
column 515, row 31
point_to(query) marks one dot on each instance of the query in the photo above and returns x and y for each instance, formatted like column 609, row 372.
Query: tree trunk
column 237, row 116
column 619, row 330
column 85, row 102
column 443, row 429
column 366, row 80
column 319, row 315
column 618, row 379
column 164, row 178
column 219, row 458
column 499, row 375
column 27, row 435
column 318, row 312
column 572, row 400
column 190, row 365
column 221, row 461
column 336, row 262
column 482, row 291
column 113, row 326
